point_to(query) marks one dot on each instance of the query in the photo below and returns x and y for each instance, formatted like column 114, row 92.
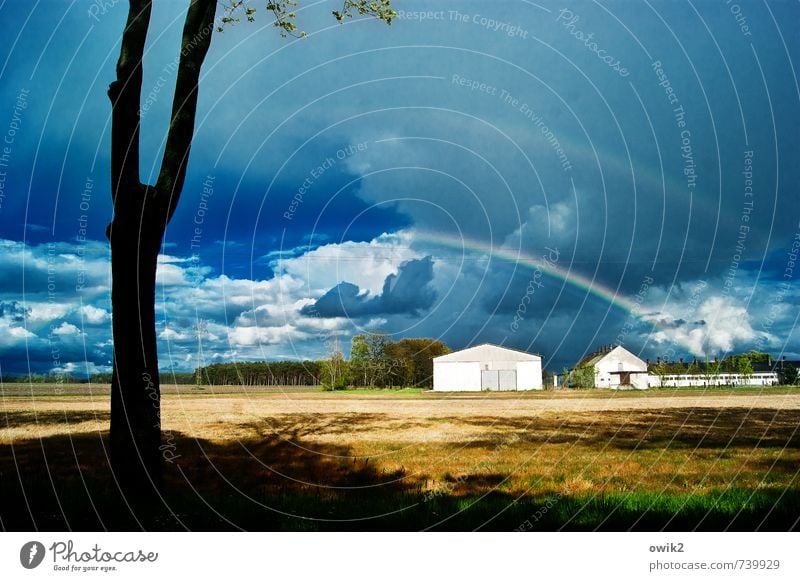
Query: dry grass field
column 578, row 460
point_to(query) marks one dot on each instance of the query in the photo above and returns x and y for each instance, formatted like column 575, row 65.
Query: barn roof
column 488, row 352
column 594, row 358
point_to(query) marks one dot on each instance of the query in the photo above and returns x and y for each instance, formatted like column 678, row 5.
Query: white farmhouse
column 487, row 367
column 617, row 368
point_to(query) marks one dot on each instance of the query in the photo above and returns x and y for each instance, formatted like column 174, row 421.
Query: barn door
column 490, row 380
column 507, row 380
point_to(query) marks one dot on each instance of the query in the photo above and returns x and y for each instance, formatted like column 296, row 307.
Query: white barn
column 618, row 368
column 487, row 367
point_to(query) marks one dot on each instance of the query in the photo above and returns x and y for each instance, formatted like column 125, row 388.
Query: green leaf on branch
column 285, row 16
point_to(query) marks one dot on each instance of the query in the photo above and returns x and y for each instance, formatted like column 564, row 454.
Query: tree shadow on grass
column 674, row 427
column 274, row 483
column 282, row 479
column 19, row 418
column 305, row 425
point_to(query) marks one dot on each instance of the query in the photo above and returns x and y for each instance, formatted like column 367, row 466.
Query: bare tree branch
column 197, row 33
column 125, row 94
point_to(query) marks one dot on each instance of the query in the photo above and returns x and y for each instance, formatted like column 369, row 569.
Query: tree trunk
column 141, row 214
column 135, row 394
column 135, row 237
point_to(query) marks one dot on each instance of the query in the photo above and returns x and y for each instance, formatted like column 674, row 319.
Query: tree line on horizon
column 376, row 361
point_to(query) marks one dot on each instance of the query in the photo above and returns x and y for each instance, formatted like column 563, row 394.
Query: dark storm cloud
column 13, row 311
column 515, row 135
column 405, row 293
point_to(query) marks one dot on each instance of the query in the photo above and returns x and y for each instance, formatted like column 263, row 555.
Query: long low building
column 614, row 367
column 487, row 368
column 716, row 380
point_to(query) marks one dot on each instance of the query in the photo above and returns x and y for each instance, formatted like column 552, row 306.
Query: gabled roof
column 488, row 352
column 594, row 358
column 591, row 359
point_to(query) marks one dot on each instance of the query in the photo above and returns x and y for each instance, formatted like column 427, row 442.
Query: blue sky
column 548, row 176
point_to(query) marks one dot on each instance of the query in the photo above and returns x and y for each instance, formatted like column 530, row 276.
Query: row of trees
column 168, row 378
column 41, row 378
column 740, row 364
column 262, row 373
column 377, row 361
column 582, row 376
column 180, row 378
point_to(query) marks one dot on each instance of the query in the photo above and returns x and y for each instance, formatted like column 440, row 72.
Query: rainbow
column 589, row 286
column 583, row 283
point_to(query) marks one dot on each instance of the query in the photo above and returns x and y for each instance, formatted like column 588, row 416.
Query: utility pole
column 201, row 329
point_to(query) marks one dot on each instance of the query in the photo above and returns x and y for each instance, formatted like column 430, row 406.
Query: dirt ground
column 617, row 459
column 403, row 417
